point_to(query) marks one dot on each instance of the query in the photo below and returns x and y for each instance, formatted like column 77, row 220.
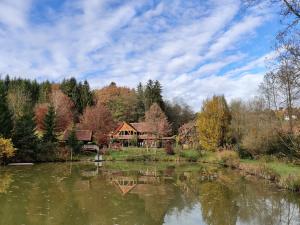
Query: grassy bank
column 285, row 175
column 151, row 154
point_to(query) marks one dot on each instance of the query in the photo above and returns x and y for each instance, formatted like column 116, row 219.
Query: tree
column 63, row 107
column 5, row 114
column 140, row 105
column 213, row 123
column 153, row 94
column 158, row 121
column 45, row 92
column 24, row 138
column 188, row 136
column 19, row 101
column 7, row 149
column 40, row 111
column 73, row 142
column 178, row 113
column 86, row 96
column 121, row 101
column 97, row 119
column 49, row 124
column 80, row 94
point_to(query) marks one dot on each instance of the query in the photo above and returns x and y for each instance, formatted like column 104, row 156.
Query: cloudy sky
column 195, row 48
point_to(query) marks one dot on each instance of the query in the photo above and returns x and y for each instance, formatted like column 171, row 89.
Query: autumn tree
column 213, row 123
column 63, row 107
column 19, row 101
column 158, row 121
column 99, row 120
column 121, row 101
column 40, row 111
column 188, row 136
column 7, row 149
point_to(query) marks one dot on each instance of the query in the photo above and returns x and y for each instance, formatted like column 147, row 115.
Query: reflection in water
column 127, row 193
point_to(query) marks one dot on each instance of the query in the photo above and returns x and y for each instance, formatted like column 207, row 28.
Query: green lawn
column 151, row 154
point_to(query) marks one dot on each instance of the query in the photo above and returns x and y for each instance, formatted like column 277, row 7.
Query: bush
column 190, row 155
column 229, row 158
column 169, row 149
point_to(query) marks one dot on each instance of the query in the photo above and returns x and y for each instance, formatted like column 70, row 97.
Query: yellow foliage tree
column 213, row 123
column 7, row 149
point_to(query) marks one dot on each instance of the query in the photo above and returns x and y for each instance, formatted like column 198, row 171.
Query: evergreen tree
column 153, row 94
column 140, row 107
column 73, row 142
column 86, row 95
column 213, row 123
column 80, row 93
column 24, row 138
column 49, row 124
column 44, row 92
column 6, row 123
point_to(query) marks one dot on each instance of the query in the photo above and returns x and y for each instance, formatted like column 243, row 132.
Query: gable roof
column 121, row 125
column 81, row 135
column 142, row 127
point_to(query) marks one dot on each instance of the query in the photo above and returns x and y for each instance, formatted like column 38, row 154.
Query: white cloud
column 185, row 44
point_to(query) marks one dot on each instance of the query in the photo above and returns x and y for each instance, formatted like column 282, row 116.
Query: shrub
column 190, row 155
column 169, row 149
column 229, row 158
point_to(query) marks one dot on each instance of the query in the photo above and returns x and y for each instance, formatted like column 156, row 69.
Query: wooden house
column 139, row 134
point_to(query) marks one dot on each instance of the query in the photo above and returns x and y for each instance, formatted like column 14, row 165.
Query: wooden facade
column 138, row 134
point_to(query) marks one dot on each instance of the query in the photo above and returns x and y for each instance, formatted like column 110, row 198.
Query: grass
column 285, row 175
column 151, row 154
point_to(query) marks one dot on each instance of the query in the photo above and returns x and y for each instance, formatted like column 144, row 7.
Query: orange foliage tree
column 63, row 107
column 98, row 119
column 40, row 112
column 157, row 120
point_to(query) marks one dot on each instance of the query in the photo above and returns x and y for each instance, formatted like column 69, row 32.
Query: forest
column 34, row 115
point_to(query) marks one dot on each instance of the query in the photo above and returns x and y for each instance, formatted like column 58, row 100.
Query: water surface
column 134, row 193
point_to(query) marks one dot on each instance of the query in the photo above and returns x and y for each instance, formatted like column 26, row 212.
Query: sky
column 194, row 48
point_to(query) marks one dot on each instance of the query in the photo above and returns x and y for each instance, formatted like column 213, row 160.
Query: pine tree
column 5, row 114
column 213, row 123
column 49, row 124
column 140, row 107
column 24, row 138
column 73, row 142
column 153, row 94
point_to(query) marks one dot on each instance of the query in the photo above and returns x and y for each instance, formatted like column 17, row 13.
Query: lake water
column 134, row 194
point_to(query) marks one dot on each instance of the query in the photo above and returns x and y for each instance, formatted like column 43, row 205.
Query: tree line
column 34, row 115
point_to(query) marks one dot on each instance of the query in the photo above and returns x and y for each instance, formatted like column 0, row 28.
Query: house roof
column 142, row 127
column 81, row 135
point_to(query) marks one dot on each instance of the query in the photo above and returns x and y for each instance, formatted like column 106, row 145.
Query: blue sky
column 195, row 48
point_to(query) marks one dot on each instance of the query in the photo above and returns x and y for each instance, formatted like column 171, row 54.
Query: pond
column 135, row 193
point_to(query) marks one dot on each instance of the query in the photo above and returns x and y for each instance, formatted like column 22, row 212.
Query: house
column 139, row 134
column 82, row 135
